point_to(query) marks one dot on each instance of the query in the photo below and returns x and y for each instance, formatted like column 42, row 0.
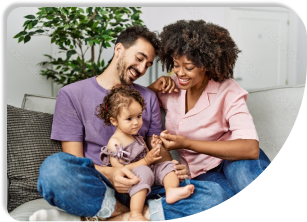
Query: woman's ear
column 113, row 121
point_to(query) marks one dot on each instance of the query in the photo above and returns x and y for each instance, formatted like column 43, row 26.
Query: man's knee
column 54, row 164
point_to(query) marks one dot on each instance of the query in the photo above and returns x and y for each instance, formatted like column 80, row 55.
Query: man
column 82, row 187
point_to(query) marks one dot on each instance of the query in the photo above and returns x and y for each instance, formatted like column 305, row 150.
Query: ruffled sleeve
column 120, row 154
column 105, row 154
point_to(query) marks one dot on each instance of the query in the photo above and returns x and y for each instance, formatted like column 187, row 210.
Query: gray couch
column 274, row 111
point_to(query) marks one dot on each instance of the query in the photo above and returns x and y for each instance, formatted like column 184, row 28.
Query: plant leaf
column 108, row 44
column 91, row 42
column 27, row 39
column 20, row 34
column 30, row 26
column 20, row 39
column 98, row 17
column 30, row 17
column 70, row 53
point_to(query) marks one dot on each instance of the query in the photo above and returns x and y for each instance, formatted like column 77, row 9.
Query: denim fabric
column 211, row 188
column 74, row 185
column 234, row 176
column 206, row 196
column 241, row 173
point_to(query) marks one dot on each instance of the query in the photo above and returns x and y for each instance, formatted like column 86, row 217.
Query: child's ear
column 113, row 121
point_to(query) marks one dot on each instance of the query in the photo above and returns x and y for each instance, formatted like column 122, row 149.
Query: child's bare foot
column 137, row 217
column 173, row 194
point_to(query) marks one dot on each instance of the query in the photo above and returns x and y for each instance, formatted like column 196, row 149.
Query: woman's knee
column 210, row 191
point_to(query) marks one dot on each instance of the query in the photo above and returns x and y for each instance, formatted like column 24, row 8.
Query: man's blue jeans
column 74, row 185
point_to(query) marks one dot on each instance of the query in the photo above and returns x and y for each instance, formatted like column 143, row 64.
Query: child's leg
column 172, row 191
column 136, row 206
column 139, row 191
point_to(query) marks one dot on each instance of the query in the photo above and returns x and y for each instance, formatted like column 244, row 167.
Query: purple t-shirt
column 75, row 120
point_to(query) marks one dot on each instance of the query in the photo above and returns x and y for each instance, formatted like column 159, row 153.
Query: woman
column 207, row 119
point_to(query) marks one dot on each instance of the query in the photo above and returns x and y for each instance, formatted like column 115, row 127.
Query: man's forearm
column 106, row 171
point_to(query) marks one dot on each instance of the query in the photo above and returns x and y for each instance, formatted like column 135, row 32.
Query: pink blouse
column 220, row 114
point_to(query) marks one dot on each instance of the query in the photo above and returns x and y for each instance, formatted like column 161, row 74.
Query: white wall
column 21, row 61
column 301, row 52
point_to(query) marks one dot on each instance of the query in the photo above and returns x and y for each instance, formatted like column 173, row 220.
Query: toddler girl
column 122, row 108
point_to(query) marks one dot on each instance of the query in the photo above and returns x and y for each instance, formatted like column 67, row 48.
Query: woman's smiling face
column 189, row 75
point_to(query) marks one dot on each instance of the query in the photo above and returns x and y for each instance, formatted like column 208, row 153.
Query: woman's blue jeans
column 74, row 185
column 234, row 176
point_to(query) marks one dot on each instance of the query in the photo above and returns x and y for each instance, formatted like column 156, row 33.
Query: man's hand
column 164, row 84
column 181, row 170
column 172, row 142
column 123, row 179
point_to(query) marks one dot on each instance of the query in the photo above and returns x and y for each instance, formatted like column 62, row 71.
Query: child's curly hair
column 118, row 98
column 205, row 44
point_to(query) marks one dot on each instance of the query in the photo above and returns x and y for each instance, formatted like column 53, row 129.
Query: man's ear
column 113, row 121
column 118, row 49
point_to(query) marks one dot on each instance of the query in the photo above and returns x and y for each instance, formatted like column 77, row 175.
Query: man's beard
column 122, row 67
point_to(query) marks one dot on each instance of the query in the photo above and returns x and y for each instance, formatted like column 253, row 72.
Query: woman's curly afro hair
column 205, row 44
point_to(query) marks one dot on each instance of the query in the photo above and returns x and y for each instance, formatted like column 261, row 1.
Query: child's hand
column 156, row 142
column 153, row 155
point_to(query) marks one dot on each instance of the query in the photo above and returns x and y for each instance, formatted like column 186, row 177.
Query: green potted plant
column 77, row 31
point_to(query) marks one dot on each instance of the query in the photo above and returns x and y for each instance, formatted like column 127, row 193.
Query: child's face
column 130, row 120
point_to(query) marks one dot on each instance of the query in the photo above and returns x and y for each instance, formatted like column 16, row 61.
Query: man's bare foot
column 137, row 217
column 173, row 194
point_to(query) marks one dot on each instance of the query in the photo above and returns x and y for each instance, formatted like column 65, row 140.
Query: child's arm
column 150, row 157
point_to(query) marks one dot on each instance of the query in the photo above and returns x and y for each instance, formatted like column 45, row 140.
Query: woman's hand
column 172, row 142
column 163, row 84
column 181, row 170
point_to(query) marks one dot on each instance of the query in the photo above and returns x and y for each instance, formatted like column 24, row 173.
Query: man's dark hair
column 131, row 34
column 205, row 44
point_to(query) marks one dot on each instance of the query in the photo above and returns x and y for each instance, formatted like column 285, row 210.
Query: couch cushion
column 28, row 144
column 23, row 212
column 274, row 111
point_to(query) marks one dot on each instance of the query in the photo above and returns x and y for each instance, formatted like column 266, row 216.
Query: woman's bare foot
column 137, row 217
column 173, row 194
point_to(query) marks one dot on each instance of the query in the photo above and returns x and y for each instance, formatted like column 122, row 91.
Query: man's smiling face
column 134, row 61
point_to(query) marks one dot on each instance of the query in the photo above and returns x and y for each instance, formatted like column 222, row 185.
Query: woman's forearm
column 239, row 149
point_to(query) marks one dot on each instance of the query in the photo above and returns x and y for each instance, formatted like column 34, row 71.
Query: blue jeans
column 234, row 176
column 74, row 185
